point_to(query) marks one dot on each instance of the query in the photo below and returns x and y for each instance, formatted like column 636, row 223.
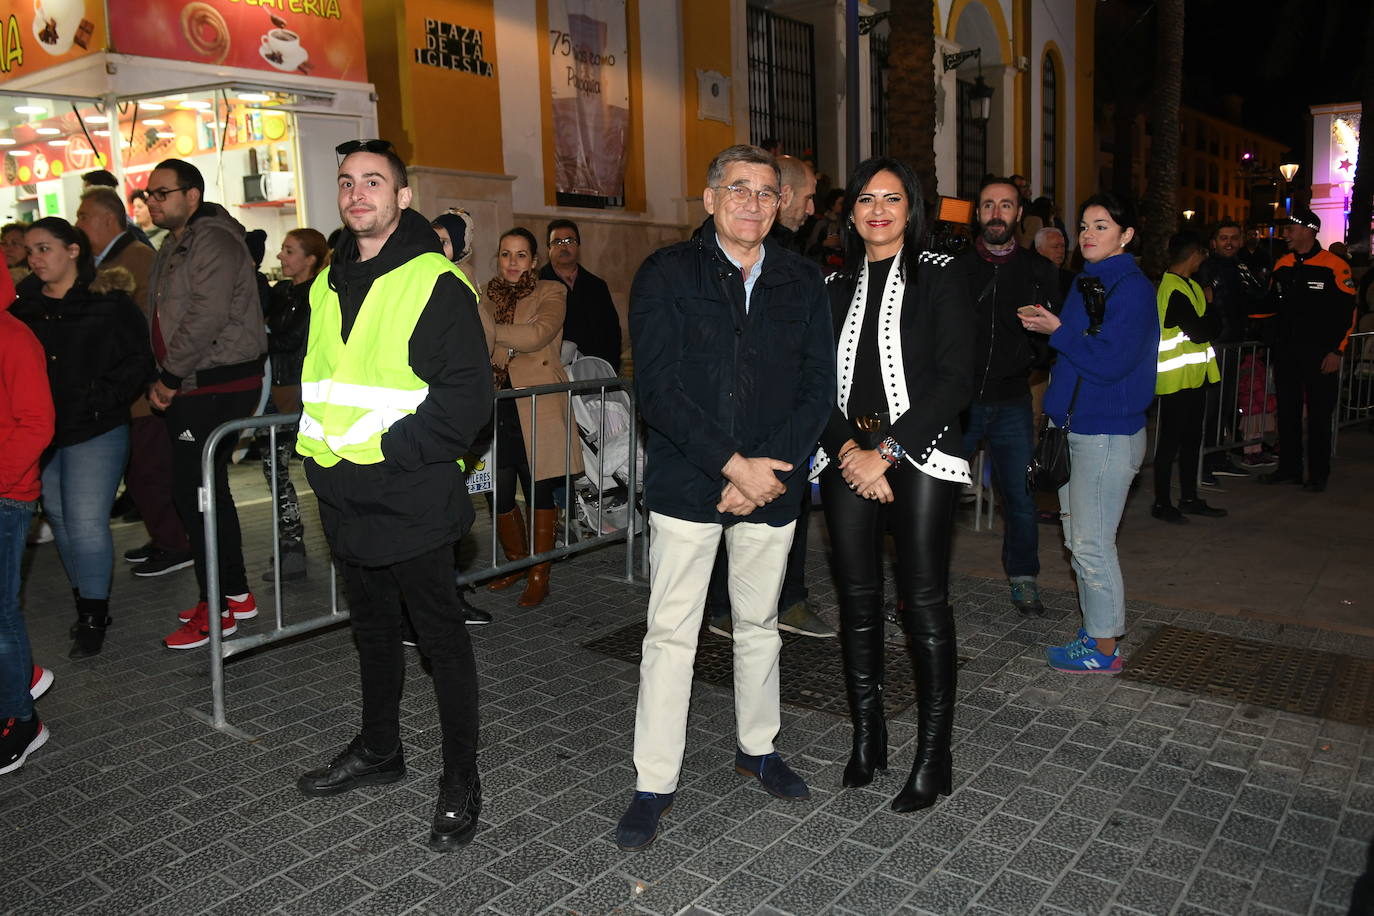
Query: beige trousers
column 681, row 555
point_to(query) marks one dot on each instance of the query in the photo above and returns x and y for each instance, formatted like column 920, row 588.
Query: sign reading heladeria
column 589, row 71
column 453, row 47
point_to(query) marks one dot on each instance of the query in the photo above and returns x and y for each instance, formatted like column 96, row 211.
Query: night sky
column 1281, row 56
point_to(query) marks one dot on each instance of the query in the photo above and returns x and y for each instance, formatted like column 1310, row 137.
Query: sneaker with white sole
column 19, row 739
column 246, row 609
column 160, row 562
column 196, row 632
column 799, row 619
column 1081, row 657
column 40, row 682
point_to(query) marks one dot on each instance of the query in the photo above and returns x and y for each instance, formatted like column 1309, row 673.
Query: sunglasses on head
column 349, row 147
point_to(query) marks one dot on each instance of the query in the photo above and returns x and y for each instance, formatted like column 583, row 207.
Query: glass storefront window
column 242, row 140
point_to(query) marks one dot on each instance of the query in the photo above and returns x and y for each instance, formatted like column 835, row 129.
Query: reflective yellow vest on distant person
column 351, row 393
column 1182, row 363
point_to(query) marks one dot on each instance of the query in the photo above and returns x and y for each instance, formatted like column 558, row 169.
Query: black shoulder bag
column 1049, row 465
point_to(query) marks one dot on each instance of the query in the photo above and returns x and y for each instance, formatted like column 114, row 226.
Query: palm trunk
column 1362, row 192
column 1161, row 197
column 911, row 93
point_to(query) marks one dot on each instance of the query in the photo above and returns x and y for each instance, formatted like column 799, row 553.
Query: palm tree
column 911, row 93
column 1161, row 195
column 1362, row 191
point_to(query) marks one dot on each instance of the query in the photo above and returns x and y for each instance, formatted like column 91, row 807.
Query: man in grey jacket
column 210, row 342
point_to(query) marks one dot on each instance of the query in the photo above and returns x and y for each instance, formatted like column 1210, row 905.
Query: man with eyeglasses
column 395, row 387
column 210, row 344
column 735, row 375
column 592, row 321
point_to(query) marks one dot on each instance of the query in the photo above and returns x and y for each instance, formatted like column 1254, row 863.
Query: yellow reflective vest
column 1182, row 363
column 351, row 393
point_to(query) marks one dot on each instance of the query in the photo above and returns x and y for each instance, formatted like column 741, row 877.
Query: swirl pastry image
column 205, row 30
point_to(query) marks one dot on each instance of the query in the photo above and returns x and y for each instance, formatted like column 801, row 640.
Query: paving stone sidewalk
column 1074, row 794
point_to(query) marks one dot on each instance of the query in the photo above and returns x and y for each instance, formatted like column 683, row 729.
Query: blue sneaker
column 639, row 824
column 773, row 774
column 1081, row 657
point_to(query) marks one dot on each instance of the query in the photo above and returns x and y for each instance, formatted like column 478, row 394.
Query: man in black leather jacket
column 1003, row 277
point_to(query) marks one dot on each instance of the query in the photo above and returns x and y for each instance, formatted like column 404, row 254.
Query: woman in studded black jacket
column 905, row 360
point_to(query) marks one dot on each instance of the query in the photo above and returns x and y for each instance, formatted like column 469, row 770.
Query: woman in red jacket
column 26, row 422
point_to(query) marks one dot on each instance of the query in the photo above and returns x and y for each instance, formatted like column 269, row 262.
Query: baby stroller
column 603, row 493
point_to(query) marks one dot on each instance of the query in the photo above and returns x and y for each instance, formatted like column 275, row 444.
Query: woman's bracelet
column 891, row 451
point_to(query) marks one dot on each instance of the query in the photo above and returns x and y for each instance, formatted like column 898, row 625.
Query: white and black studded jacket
column 925, row 342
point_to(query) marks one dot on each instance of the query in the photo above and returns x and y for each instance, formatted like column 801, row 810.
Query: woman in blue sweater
column 1104, row 380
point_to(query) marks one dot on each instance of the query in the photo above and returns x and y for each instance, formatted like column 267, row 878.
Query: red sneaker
column 196, row 631
column 246, row 609
column 200, row 609
column 40, row 682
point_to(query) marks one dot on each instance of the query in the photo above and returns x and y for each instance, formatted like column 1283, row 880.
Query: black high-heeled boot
column 861, row 643
column 930, row 637
column 92, row 617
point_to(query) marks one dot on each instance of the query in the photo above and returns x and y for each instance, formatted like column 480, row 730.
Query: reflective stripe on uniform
column 367, row 397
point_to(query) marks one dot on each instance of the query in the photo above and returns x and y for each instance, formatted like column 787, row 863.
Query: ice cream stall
column 255, row 93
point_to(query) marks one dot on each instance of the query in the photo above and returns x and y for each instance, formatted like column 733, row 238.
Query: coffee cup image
column 282, row 49
column 55, row 24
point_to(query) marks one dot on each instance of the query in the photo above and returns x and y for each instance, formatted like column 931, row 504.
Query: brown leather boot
column 510, row 528
column 537, row 589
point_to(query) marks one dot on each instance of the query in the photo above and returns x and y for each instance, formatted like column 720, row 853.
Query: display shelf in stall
column 286, row 204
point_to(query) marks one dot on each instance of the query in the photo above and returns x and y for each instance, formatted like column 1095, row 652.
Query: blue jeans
column 1007, row 428
column 1091, row 504
column 16, row 661
column 79, row 484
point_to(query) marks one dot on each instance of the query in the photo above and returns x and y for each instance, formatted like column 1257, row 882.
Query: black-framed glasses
column 349, row 147
column 162, row 194
column 768, row 198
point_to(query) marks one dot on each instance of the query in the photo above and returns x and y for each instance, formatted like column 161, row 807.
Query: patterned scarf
column 504, row 295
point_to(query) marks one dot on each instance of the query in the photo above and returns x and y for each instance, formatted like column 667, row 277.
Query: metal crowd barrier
column 221, row 649
column 1355, row 400
column 1238, row 415
column 1232, row 420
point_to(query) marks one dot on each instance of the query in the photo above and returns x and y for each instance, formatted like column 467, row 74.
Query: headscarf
column 459, row 226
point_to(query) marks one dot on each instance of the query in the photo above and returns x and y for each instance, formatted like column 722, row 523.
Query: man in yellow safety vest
column 395, row 387
column 1187, row 364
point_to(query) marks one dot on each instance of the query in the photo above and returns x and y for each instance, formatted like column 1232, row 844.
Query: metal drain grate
column 812, row 674
column 1305, row 681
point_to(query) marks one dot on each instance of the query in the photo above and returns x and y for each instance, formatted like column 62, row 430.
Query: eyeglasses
column 741, row 195
column 564, row 242
column 162, row 194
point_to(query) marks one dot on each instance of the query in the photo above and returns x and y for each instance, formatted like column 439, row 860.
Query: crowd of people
column 775, row 347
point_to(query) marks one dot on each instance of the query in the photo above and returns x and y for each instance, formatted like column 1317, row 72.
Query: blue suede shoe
column 639, row 824
column 774, row 775
column 1081, row 657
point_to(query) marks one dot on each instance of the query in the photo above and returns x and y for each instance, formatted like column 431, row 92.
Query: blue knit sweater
column 1117, row 365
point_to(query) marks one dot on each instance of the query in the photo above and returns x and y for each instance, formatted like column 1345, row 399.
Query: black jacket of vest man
column 591, row 321
column 712, row 380
column 416, row 499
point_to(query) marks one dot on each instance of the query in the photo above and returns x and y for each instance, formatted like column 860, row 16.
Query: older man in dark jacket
column 735, row 373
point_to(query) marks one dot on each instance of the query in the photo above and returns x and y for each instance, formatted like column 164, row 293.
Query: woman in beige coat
column 527, row 315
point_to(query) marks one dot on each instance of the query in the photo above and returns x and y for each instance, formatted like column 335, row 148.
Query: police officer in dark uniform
column 1312, row 301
